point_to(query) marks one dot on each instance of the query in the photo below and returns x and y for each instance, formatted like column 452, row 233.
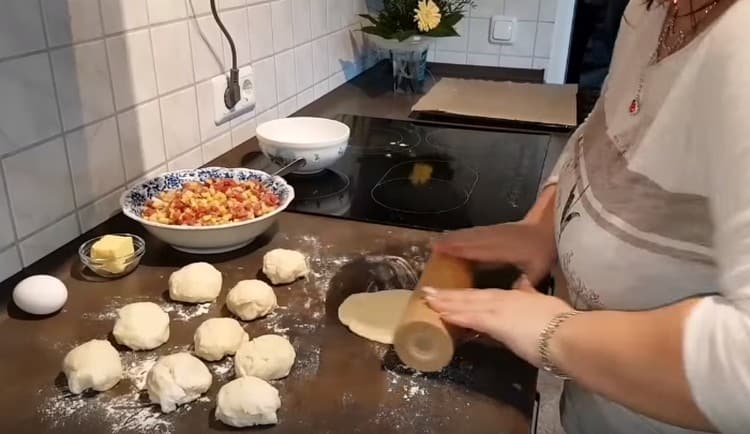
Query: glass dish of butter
column 113, row 255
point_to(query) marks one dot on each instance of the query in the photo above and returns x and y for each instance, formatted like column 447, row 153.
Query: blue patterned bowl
column 205, row 239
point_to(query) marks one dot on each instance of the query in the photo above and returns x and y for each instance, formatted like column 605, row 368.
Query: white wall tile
column 286, row 81
column 482, row 59
column 10, row 261
column 43, row 165
column 522, row 9
column 281, row 17
column 20, row 28
column 261, row 31
column 547, row 10
column 453, row 57
column 197, row 8
column 333, row 15
column 336, row 80
column 190, row 160
column 347, row 12
column 268, row 115
column 174, row 62
column 217, row 147
column 179, row 116
column 131, row 63
column 206, row 114
column 523, row 44
column 360, row 7
column 540, row 63
column 160, row 11
column 7, row 234
column 84, row 90
column 456, row 43
column 243, row 132
column 148, row 175
column 71, row 21
column 100, row 211
column 321, row 89
column 305, row 98
column 49, row 239
column 286, row 108
column 304, row 59
column 227, row 4
column 265, row 84
column 95, row 160
column 141, row 139
column 120, row 15
column 515, row 62
column 28, row 112
column 487, row 8
column 543, row 45
column 479, row 37
column 320, row 59
column 208, row 53
column 318, row 18
column 301, row 21
column 337, row 52
column 236, row 22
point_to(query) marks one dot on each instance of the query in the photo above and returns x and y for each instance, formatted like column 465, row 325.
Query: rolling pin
column 422, row 340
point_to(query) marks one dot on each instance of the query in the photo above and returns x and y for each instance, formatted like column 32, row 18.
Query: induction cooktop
column 424, row 175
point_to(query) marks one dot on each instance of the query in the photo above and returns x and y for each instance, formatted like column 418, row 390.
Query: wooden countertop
column 340, row 383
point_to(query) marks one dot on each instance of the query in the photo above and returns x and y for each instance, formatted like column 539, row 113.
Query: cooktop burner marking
column 379, row 140
column 320, row 185
column 445, row 187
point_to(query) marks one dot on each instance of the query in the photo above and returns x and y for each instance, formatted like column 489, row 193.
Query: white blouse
column 654, row 207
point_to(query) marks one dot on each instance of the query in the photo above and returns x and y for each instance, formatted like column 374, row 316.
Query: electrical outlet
column 247, row 89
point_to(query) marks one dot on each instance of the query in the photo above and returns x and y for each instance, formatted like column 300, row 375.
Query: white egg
column 40, row 295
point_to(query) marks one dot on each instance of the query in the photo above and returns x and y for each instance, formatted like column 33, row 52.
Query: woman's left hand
column 513, row 317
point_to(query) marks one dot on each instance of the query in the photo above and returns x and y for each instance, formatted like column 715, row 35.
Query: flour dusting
column 223, row 369
column 185, row 312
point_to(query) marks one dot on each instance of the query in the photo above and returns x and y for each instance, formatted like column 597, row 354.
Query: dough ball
column 177, row 379
column 141, row 326
column 251, row 299
column 93, row 365
column 218, row 337
column 375, row 315
column 247, row 401
column 284, row 266
column 195, row 283
column 269, row 357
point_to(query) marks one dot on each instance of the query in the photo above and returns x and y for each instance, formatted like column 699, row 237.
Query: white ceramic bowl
column 319, row 141
column 205, row 239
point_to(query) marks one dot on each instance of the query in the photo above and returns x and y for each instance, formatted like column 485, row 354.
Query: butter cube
column 114, row 252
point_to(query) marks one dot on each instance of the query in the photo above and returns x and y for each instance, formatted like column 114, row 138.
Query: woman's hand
column 529, row 246
column 515, row 317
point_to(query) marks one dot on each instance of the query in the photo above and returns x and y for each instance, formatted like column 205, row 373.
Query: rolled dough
column 374, row 315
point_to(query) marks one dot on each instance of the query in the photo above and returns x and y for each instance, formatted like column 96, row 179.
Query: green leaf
column 404, row 34
column 451, row 20
column 442, row 31
column 370, row 18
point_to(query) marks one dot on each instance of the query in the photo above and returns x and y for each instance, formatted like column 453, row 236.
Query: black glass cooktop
column 424, row 175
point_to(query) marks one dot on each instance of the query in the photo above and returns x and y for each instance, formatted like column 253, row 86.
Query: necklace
column 662, row 44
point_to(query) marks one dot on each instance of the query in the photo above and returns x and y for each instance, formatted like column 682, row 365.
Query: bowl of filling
column 210, row 210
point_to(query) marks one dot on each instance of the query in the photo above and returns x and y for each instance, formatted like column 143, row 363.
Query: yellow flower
column 427, row 15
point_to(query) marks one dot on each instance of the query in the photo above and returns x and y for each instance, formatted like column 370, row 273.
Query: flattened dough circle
column 374, row 315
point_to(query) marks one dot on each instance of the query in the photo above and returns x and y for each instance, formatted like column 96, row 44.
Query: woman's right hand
column 529, row 246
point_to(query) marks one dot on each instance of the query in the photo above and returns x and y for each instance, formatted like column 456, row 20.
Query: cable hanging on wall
column 232, row 94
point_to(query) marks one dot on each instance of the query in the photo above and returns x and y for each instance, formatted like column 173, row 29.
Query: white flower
column 427, row 15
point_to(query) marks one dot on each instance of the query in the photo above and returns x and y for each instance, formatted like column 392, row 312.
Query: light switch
column 501, row 29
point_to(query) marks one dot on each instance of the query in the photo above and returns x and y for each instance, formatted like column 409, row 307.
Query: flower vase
column 408, row 61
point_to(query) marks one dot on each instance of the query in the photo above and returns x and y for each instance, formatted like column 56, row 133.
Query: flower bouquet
column 404, row 28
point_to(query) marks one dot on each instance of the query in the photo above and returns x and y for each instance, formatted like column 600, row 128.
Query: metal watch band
column 544, row 339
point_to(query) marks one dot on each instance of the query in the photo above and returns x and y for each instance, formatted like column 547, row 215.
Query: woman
column 648, row 217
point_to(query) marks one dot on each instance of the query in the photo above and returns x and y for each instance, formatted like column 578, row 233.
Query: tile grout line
column 62, row 125
column 115, row 119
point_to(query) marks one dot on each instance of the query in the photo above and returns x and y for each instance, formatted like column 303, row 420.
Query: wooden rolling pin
column 422, row 340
